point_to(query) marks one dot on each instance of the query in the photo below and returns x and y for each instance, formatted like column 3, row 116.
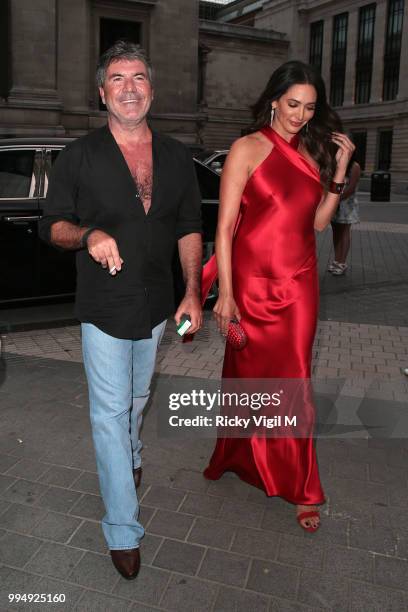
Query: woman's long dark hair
column 317, row 137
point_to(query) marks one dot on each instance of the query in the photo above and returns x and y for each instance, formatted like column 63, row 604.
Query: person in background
column 345, row 216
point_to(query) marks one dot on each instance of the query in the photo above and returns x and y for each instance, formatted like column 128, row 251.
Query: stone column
column 33, row 54
column 203, row 51
column 399, row 154
column 379, row 46
column 399, row 159
column 74, row 78
column 327, row 53
column 174, row 56
column 403, row 80
column 371, row 150
column 300, row 35
column 352, row 45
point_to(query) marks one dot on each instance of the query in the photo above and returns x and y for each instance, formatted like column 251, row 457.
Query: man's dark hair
column 121, row 50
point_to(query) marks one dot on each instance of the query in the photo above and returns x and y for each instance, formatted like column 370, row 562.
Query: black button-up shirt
column 91, row 185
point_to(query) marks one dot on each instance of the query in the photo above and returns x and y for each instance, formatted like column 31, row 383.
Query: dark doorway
column 112, row 30
column 5, row 55
column 360, row 141
column 384, row 150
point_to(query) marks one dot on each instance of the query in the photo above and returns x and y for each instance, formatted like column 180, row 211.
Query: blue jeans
column 119, row 374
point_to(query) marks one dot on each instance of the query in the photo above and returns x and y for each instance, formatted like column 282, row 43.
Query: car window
column 208, row 181
column 203, row 155
column 17, row 179
column 50, row 157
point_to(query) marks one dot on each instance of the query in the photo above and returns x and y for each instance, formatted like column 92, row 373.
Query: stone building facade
column 235, row 63
column 206, row 73
column 212, row 59
column 47, row 84
column 361, row 48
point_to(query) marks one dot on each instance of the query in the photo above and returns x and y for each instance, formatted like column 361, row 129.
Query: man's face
column 127, row 91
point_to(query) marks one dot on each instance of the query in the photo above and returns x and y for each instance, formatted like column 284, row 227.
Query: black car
column 30, row 268
column 213, row 159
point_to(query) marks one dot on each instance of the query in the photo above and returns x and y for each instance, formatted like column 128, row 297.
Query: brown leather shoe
column 137, row 476
column 127, row 562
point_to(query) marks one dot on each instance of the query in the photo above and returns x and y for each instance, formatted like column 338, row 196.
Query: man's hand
column 103, row 249
column 191, row 306
column 190, row 251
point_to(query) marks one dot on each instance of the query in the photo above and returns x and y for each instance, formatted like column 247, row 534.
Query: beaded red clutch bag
column 236, row 336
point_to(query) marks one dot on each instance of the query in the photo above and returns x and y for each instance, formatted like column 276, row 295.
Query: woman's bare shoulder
column 251, row 143
column 250, row 149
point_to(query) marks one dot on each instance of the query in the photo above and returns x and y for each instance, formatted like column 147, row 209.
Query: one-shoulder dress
column 275, row 286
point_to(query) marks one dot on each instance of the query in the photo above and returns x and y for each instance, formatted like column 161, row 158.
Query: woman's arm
column 330, row 201
column 353, row 181
column 233, row 179
column 238, row 166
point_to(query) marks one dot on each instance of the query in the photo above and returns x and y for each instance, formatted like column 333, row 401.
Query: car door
column 19, row 187
column 209, row 183
column 57, row 272
column 217, row 161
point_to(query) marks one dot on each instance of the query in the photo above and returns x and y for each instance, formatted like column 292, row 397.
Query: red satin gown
column 275, row 284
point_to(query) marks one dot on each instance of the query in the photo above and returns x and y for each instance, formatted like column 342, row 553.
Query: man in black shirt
column 123, row 196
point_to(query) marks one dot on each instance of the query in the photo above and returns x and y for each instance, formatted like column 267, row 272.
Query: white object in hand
column 183, row 327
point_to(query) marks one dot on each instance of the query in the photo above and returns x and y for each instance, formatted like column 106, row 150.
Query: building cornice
column 146, row 2
column 375, row 111
column 128, row 5
column 242, row 32
column 306, row 6
column 238, row 9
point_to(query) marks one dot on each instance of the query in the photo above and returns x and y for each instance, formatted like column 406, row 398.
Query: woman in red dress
column 280, row 182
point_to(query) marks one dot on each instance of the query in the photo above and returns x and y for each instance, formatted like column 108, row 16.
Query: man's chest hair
column 140, row 164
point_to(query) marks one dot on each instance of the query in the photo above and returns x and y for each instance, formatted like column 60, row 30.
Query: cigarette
column 112, row 269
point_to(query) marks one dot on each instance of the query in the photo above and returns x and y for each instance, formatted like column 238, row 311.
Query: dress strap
column 290, row 151
column 273, row 136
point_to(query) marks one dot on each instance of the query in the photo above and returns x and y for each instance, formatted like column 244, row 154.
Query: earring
column 272, row 115
column 307, row 127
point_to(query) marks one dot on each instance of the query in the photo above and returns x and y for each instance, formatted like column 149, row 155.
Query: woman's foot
column 332, row 265
column 337, row 268
column 308, row 517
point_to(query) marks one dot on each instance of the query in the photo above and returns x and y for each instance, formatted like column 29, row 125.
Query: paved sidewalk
column 209, row 546
column 363, row 321
column 216, row 546
column 361, row 353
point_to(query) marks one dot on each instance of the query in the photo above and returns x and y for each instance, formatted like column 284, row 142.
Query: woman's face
column 294, row 108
